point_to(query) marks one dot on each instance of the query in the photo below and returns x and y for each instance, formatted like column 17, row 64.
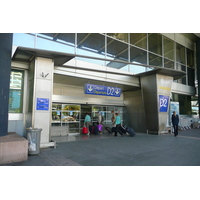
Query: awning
column 24, row 54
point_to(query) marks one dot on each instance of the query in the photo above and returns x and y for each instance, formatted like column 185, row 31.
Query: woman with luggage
column 87, row 122
column 113, row 119
column 117, row 123
column 100, row 121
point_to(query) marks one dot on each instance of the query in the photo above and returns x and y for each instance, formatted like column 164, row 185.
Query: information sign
column 42, row 104
column 102, row 90
column 163, row 103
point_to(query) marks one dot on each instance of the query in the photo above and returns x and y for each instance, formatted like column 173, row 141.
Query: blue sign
column 102, row 90
column 42, row 104
column 163, row 103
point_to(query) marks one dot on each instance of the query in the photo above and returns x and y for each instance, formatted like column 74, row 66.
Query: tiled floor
column 79, row 137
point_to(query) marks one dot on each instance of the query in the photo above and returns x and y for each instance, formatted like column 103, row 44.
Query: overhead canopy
column 24, row 54
column 165, row 71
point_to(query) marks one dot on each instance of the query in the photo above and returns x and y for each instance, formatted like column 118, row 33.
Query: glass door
column 85, row 109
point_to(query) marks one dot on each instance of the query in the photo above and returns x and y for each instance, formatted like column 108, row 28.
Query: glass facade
column 155, row 43
column 124, row 51
column 168, row 48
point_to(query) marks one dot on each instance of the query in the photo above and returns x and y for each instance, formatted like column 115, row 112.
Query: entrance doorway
column 68, row 119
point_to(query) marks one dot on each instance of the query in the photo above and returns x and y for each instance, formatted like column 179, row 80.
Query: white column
column 42, row 98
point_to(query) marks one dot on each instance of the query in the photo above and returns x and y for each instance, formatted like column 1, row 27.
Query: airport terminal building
column 56, row 78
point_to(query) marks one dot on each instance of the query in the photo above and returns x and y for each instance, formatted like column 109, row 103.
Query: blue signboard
column 42, row 104
column 163, row 103
column 102, row 90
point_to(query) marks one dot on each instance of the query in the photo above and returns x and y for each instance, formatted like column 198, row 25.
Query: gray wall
column 134, row 115
column 5, row 66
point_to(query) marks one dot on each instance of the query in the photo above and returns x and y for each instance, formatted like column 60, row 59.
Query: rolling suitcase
column 91, row 129
column 96, row 130
column 130, row 131
column 84, row 130
column 122, row 129
column 115, row 129
column 108, row 129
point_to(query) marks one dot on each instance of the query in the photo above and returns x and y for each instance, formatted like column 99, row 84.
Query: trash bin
column 33, row 136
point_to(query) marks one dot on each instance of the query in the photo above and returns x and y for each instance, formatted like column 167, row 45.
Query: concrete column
column 156, row 89
column 5, row 66
column 42, row 98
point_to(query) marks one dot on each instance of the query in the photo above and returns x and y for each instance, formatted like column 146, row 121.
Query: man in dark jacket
column 175, row 121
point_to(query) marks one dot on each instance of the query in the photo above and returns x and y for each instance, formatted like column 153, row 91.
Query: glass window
column 190, row 76
column 155, row 60
column 168, row 48
column 180, row 53
column 190, row 58
column 46, row 44
column 168, row 63
column 16, row 92
column 120, row 36
column 93, row 42
column 139, row 39
column 155, row 43
column 25, row 40
column 67, row 38
column 118, row 51
column 137, row 56
column 181, row 68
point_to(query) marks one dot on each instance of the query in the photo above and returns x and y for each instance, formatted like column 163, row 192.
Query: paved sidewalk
column 140, row 150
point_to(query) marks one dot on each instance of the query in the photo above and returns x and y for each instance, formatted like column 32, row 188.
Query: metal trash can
column 33, row 136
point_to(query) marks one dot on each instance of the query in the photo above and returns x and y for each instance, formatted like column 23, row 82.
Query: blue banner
column 102, row 90
column 163, row 103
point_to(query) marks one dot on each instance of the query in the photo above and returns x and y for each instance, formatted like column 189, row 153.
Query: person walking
column 113, row 119
column 87, row 122
column 117, row 123
column 100, row 121
column 175, row 122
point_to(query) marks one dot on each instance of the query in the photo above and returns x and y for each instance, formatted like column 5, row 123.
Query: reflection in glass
column 180, row 53
column 16, row 92
column 168, row 64
column 155, row 60
column 25, row 40
column 155, row 43
column 190, row 76
column 67, row 38
column 93, row 42
column 52, row 45
column 168, row 48
column 182, row 68
column 139, row 39
column 118, row 51
column 136, row 69
column 190, row 58
column 120, row 36
column 138, row 56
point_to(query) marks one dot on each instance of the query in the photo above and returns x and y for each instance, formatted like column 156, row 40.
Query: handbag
column 100, row 127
